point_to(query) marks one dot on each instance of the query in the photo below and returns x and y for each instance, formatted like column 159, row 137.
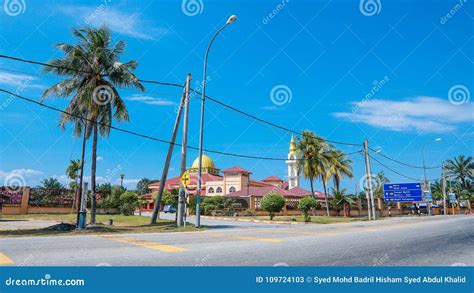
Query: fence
column 26, row 200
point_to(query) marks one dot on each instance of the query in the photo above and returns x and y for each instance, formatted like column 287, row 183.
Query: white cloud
column 425, row 114
column 18, row 80
column 150, row 100
column 99, row 158
column 125, row 23
column 20, row 177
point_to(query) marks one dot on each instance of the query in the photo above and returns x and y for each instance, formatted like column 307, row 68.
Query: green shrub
column 305, row 205
column 129, row 201
column 272, row 203
column 212, row 203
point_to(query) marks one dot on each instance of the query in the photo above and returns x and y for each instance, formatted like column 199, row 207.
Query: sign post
column 402, row 192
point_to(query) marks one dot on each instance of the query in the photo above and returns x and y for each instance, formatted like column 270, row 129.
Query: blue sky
column 400, row 75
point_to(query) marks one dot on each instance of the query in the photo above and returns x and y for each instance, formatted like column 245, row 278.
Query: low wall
column 16, row 210
column 11, row 210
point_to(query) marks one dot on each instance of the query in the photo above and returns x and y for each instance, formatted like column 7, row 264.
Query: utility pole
column 182, row 191
column 164, row 175
column 81, row 178
column 368, row 176
column 444, row 189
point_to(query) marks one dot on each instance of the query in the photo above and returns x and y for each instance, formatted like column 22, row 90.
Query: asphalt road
column 407, row 241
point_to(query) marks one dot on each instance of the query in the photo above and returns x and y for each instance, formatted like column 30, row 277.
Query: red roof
column 272, row 178
column 236, row 169
column 262, row 191
column 173, row 182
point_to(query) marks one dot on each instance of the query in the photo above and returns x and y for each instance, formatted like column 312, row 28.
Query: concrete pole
column 182, row 191
column 164, row 175
column 368, row 176
column 444, row 189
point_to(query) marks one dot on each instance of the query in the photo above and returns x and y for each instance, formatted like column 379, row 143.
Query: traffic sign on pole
column 185, row 179
column 402, row 192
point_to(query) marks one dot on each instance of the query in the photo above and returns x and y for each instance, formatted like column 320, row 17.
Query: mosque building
column 236, row 182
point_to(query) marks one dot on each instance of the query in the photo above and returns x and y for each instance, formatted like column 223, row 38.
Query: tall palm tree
column 72, row 171
column 306, row 150
column 341, row 168
column 91, row 66
column 314, row 158
column 380, row 180
column 462, row 169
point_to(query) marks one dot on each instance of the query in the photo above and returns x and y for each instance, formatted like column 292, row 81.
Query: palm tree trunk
column 93, row 172
column 325, row 194
column 311, row 183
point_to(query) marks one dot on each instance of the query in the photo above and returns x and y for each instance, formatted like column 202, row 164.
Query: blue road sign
column 428, row 197
column 452, row 197
column 402, row 192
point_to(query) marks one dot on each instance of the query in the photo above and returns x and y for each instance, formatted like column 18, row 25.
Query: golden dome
column 206, row 162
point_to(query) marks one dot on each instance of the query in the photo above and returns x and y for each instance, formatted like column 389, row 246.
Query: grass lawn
column 121, row 224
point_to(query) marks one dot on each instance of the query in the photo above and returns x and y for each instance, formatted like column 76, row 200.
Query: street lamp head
column 438, row 139
column 231, row 19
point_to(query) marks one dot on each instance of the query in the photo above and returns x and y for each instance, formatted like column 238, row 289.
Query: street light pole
column 231, row 19
column 427, row 187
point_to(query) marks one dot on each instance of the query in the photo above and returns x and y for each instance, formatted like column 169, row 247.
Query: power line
column 197, row 92
column 396, row 172
column 58, row 78
column 144, row 135
column 402, row 163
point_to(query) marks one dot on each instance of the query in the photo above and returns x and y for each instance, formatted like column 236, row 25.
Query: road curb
column 254, row 221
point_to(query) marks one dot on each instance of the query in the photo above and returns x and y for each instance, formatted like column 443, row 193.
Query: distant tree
column 51, row 183
column 142, row 186
column 461, row 168
column 272, row 203
column 72, row 172
column 380, row 180
column 340, row 200
column 141, row 202
column 305, row 205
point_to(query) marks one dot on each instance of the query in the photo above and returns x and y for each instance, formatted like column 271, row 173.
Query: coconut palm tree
column 72, row 171
column 314, row 160
column 92, row 71
column 306, row 147
column 341, row 168
column 51, row 183
column 341, row 200
column 461, row 168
